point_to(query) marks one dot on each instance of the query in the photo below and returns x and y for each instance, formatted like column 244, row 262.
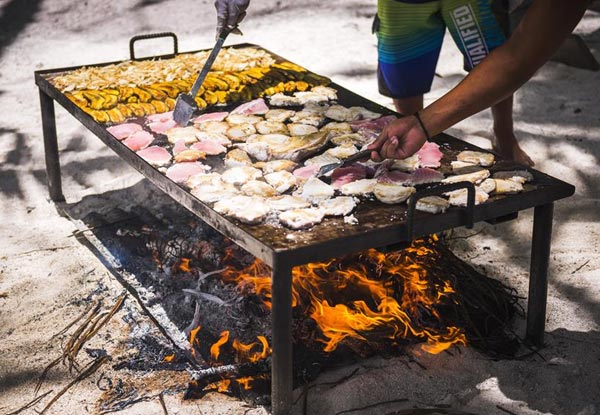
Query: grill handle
column 438, row 191
column 152, row 36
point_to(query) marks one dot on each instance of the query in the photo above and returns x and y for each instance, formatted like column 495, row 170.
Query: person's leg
column 409, row 105
column 476, row 32
column 505, row 142
column 409, row 39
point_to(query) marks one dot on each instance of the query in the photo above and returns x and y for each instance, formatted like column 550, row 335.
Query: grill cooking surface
column 378, row 224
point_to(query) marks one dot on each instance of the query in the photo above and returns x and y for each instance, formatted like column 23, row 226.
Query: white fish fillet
column 408, row 164
column 459, row 197
column 237, row 157
column 338, row 206
column 282, row 181
column 247, row 209
column 282, row 100
column 260, row 151
column 240, row 175
column 305, row 117
column 258, row 188
column 475, row 177
column 315, row 191
column 301, row 218
column 392, row 193
column 488, row 185
column 301, row 129
column 356, row 139
column 461, row 167
column 519, row 176
column 342, row 152
column 329, row 92
column 361, row 113
column 362, row 187
column 271, row 127
column 504, row 187
column 432, row 204
column 236, row 119
column 240, row 132
column 211, row 191
column 216, row 137
column 276, row 165
column 339, row 113
column 476, row 157
column 280, row 115
column 286, row 202
column 213, row 127
column 306, row 97
column 337, row 127
column 321, row 160
column 187, row 134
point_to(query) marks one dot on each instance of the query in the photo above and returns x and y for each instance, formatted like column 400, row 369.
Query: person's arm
column 541, row 31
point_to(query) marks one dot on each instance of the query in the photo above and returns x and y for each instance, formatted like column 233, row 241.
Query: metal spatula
column 185, row 104
column 329, row 167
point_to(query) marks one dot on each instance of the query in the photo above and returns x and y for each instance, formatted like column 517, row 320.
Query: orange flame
column 245, row 382
column 215, row 349
column 184, row 265
column 367, row 286
column 169, row 358
column 244, row 350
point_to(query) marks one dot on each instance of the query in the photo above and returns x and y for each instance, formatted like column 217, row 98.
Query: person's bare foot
column 507, row 146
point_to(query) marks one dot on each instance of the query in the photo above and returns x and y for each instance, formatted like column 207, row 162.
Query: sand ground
column 45, row 273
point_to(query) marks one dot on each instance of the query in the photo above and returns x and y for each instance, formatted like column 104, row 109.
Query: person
column 410, row 35
column 537, row 36
column 230, row 13
column 540, row 32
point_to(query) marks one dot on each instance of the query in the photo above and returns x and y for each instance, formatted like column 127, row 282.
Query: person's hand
column 229, row 14
column 400, row 139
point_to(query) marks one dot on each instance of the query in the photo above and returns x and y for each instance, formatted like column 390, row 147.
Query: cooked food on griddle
column 476, row 157
column 519, row 176
column 432, row 204
column 392, row 193
column 282, row 180
column 301, row 218
column 475, row 177
column 338, row 206
column 315, row 191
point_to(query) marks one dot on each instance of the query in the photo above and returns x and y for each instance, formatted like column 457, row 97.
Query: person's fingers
column 376, row 145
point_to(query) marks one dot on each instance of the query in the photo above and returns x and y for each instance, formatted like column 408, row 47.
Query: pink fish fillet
column 425, row 175
column 179, row 147
column 162, row 117
column 306, row 172
column 211, row 116
column 348, row 174
column 155, row 155
column 139, row 140
column 122, row 131
column 180, row 172
column 373, row 125
column 394, row 176
column 257, row 106
column 161, row 127
column 430, row 155
column 210, row 147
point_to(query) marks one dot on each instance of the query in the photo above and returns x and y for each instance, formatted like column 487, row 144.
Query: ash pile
column 361, row 305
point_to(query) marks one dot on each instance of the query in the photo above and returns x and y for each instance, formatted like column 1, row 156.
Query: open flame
column 371, row 297
column 371, row 292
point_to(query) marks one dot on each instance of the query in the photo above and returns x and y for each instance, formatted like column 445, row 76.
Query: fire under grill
column 379, row 226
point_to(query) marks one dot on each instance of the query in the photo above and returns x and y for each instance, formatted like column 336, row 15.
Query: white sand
column 44, row 271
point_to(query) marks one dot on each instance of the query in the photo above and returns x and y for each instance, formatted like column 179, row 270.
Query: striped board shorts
column 410, row 35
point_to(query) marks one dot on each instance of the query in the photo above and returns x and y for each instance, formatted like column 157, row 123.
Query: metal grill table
column 378, row 225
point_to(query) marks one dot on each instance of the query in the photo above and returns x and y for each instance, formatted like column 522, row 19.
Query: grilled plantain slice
column 170, row 103
column 233, row 81
column 125, row 110
column 115, row 115
column 142, row 95
column 77, row 98
column 110, row 99
column 288, row 66
column 124, row 93
column 159, row 106
column 95, row 100
column 157, row 94
column 200, row 103
column 171, row 90
column 137, row 109
column 210, row 97
column 98, row 115
column 148, row 108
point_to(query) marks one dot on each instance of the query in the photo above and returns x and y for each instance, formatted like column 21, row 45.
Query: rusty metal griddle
column 378, row 225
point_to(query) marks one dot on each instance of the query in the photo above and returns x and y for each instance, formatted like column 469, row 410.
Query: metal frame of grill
column 379, row 226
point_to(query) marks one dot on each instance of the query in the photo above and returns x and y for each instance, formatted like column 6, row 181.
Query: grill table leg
column 281, row 320
column 538, row 274
column 51, row 148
